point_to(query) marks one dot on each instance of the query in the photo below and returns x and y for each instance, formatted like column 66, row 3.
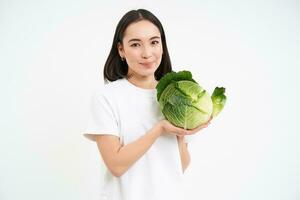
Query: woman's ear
column 120, row 49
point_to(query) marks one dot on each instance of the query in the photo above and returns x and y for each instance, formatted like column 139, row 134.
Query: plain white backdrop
column 52, row 55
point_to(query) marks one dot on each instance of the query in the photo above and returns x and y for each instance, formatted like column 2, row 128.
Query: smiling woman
column 141, row 48
column 145, row 155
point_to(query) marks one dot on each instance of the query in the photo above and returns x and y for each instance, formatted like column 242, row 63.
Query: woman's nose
column 146, row 52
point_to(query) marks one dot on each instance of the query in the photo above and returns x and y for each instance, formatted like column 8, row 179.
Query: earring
column 122, row 58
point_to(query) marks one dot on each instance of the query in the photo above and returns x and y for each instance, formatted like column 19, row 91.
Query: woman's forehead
column 142, row 30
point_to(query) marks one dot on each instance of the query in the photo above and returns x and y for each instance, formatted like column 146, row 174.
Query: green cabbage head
column 185, row 103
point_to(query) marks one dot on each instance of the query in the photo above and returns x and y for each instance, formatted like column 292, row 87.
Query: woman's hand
column 195, row 130
column 167, row 127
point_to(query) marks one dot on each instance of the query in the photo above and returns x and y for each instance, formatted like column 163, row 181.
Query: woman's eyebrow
column 138, row 40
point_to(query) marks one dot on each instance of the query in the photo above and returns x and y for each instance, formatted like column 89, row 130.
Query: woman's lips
column 147, row 64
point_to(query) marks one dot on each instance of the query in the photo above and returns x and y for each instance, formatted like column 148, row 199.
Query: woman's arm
column 118, row 158
column 184, row 153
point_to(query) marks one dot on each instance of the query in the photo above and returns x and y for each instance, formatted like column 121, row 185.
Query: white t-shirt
column 127, row 111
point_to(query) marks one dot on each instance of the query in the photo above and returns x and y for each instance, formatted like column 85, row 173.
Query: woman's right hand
column 168, row 127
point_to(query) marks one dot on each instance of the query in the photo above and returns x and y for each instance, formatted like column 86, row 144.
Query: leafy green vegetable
column 219, row 100
column 185, row 103
column 171, row 78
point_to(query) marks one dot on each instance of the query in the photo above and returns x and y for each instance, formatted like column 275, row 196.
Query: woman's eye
column 155, row 42
column 134, row 45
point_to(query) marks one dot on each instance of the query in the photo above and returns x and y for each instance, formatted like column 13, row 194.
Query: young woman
column 145, row 155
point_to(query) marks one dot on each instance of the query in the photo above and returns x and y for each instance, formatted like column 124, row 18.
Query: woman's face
column 142, row 49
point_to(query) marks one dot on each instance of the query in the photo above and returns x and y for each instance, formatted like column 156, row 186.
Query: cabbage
column 185, row 103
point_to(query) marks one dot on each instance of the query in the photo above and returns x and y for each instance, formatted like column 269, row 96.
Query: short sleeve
column 102, row 119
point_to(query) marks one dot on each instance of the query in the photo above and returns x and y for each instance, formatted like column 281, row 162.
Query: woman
column 145, row 155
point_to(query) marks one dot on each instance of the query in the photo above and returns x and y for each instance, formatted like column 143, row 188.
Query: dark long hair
column 114, row 67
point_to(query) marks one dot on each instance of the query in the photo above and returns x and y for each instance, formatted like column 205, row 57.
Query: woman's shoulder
column 110, row 89
column 114, row 86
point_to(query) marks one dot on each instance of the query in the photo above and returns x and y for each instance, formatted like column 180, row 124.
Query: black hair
column 114, row 67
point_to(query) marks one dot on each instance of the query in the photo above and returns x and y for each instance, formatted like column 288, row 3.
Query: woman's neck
column 143, row 82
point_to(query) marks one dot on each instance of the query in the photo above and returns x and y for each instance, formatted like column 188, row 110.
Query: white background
column 52, row 55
